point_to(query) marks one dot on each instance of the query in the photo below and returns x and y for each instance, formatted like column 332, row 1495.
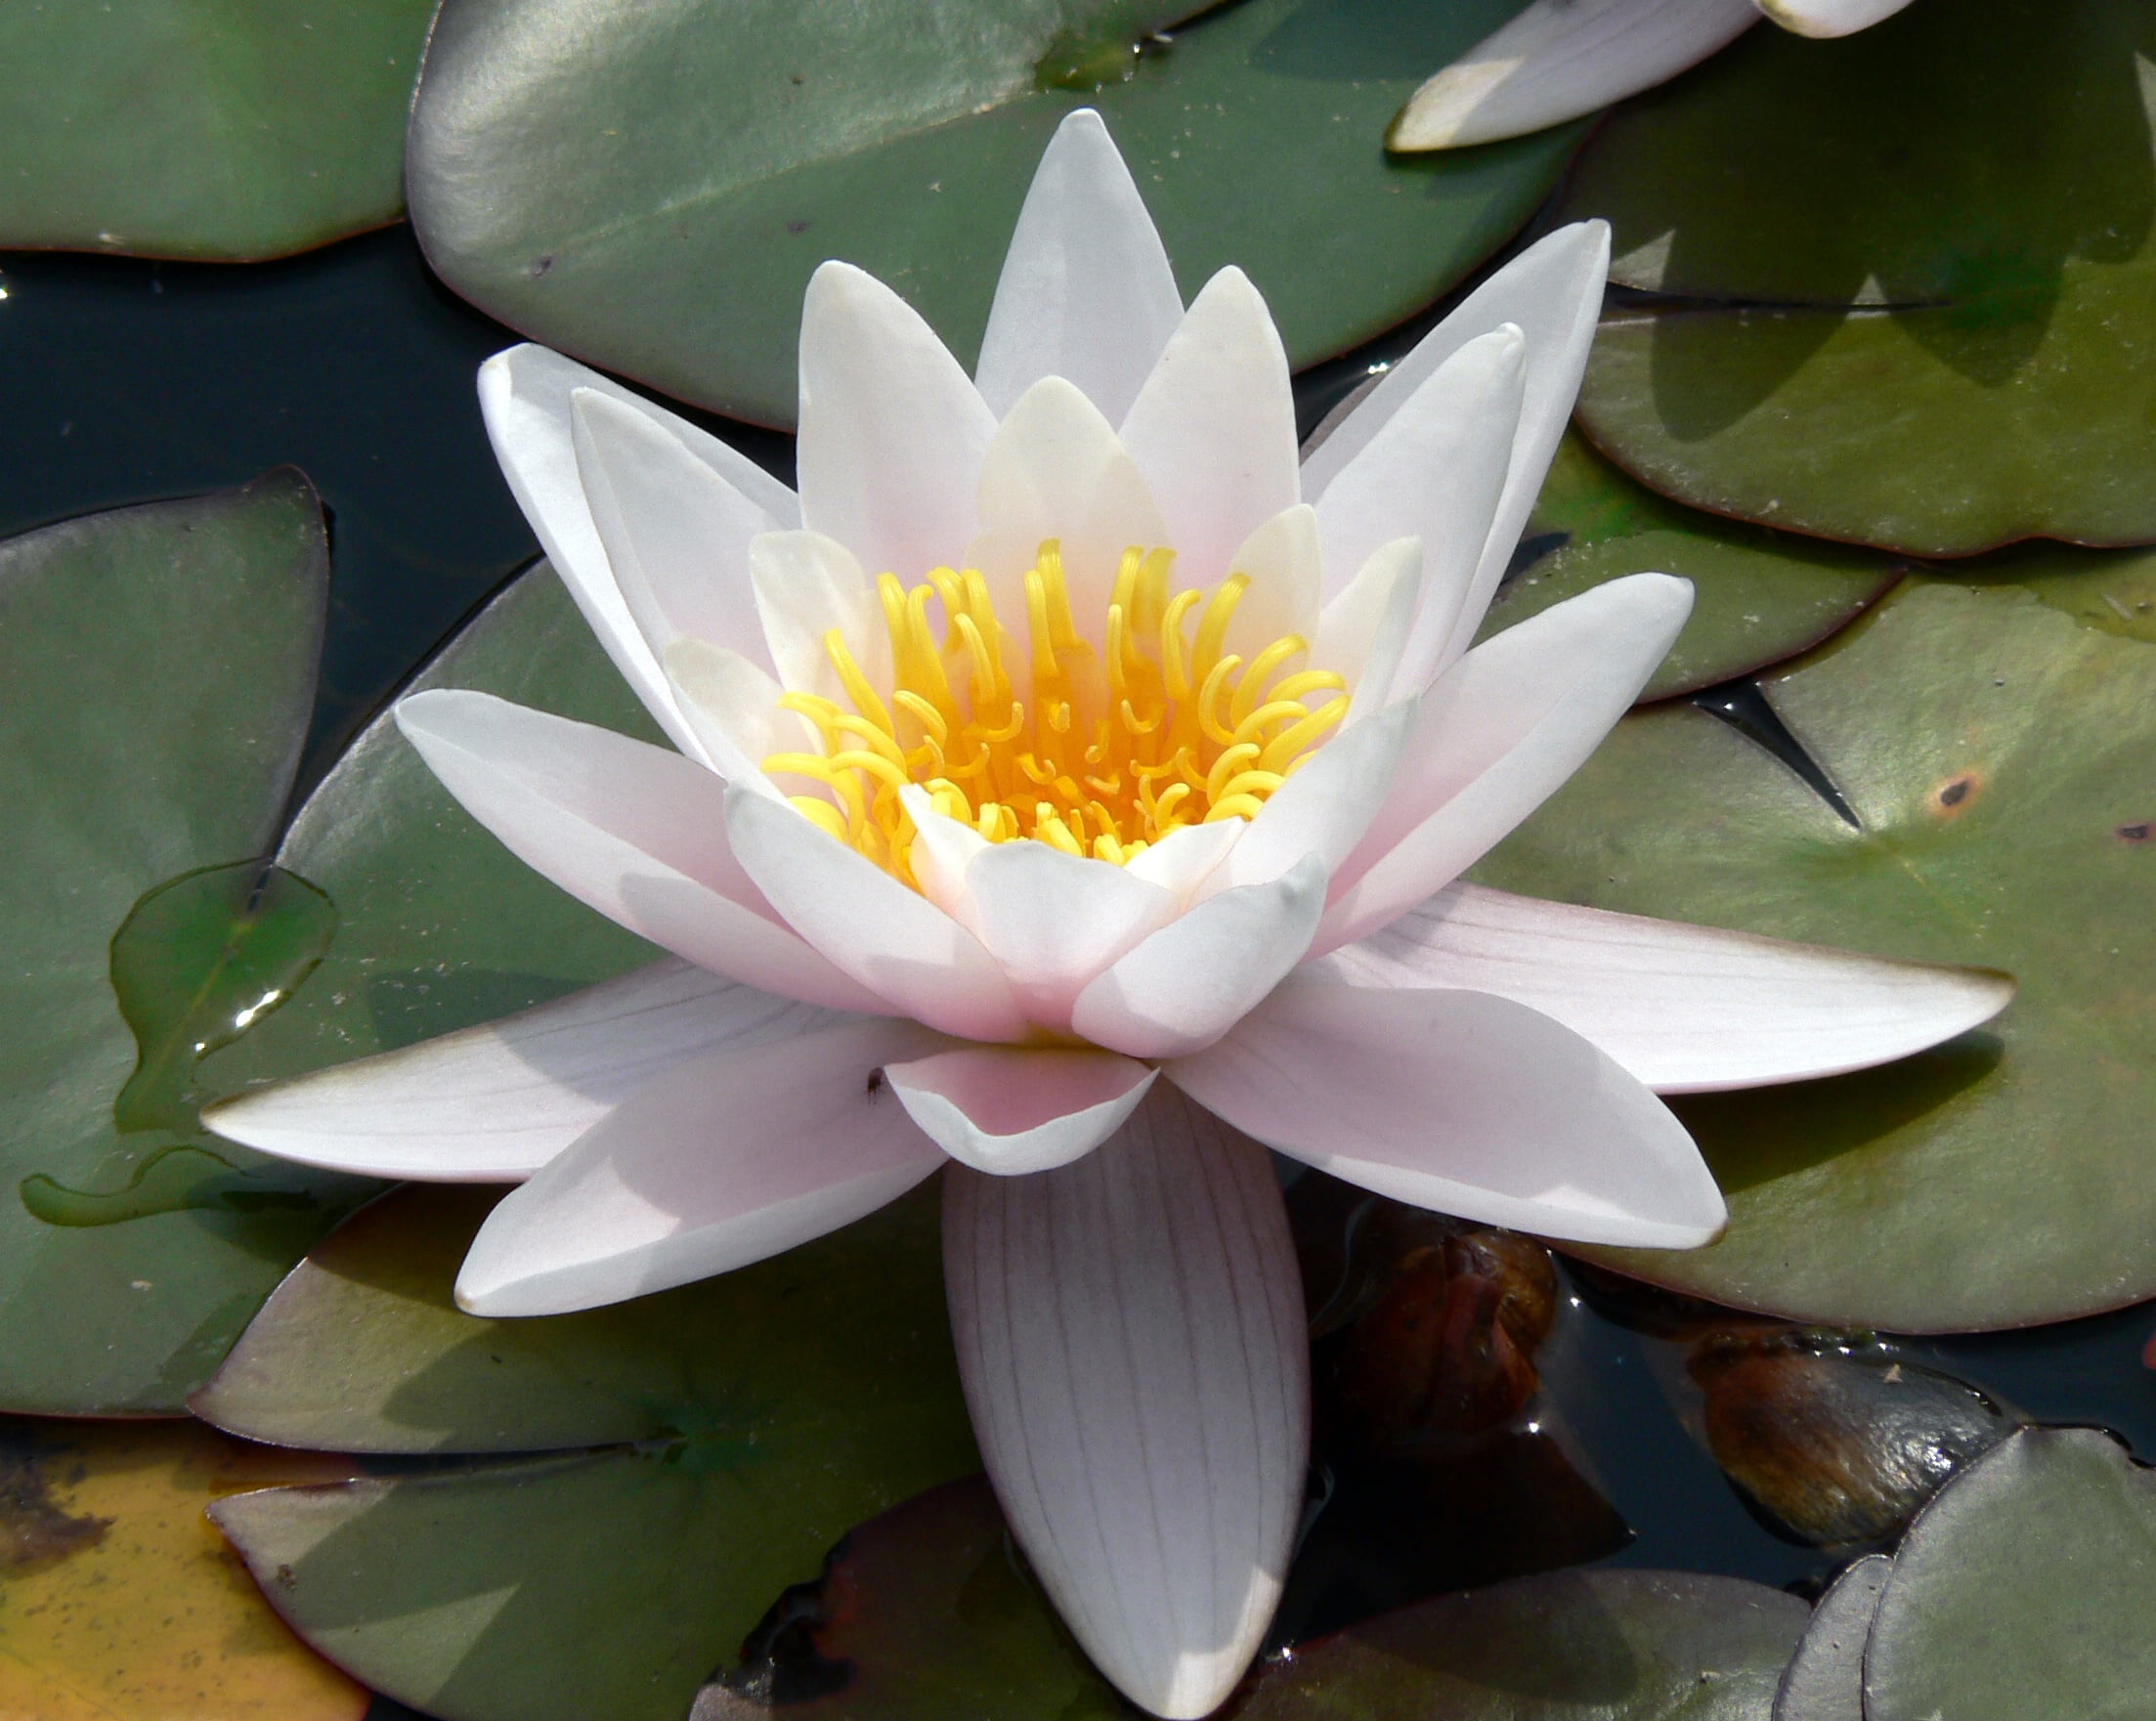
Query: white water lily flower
column 1071, row 785
column 1561, row 59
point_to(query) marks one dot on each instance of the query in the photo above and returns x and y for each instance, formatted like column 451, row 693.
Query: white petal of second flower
column 1828, row 18
column 1008, row 1111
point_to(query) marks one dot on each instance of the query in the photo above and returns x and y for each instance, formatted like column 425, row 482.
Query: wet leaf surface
column 1931, row 345
column 1998, row 758
column 654, row 199
column 204, row 128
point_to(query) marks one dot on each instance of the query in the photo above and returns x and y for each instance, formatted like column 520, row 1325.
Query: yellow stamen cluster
column 1102, row 753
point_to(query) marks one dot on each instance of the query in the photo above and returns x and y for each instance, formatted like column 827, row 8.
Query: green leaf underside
column 1759, row 596
column 660, row 211
column 213, row 129
column 1927, row 346
column 773, row 1408
column 2024, row 1591
column 1999, row 757
column 160, row 665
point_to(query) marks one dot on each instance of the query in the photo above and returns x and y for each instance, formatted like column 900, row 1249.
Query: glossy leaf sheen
column 649, row 188
column 1999, row 757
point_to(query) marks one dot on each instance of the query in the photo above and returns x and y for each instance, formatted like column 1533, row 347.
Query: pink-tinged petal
column 1552, row 292
column 1086, row 290
column 1194, row 979
column 1363, row 630
column 1054, row 921
column 1435, row 470
column 892, row 429
column 1464, row 1102
column 942, row 850
column 1497, row 734
column 1183, row 859
column 632, row 831
column 495, row 1102
column 1131, row 1334
column 733, row 705
column 1828, row 18
column 1561, row 59
column 893, row 941
column 1008, row 1111
column 808, row 585
column 1213, row 430
column 723, row 1160
column 1686, row 1009
column 525, row 396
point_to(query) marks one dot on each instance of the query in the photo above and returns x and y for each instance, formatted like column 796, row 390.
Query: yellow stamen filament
column 1104, row 751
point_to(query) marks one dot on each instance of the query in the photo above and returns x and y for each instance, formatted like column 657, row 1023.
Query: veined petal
column 1828, row 18
column 1552, row 291
column 733, row 704
column 631, row 830
column 1686, row 1009
column 893, row 941
column 1496, row 736
column 1213, row 430
column 1054, row 921
column 1559, row 58
column 1362, row 629
column 1008, row 1111
column 725, row 1159
column 1436, row 470
column 1086, row 290
column 1286, row 570
column 495, row 1102
column 1130, row 1330
column 892, row 429
column 1461, row 1102
column 809, row 584
column 1190, row 981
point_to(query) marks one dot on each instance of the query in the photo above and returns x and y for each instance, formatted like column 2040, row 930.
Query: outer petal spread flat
column 1007, row 1111
column 726, row 1159
column 1131, row 1334
column 1465, row 1102
column 498, row 1101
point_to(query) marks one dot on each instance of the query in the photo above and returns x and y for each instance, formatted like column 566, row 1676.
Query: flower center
column 1104, row 752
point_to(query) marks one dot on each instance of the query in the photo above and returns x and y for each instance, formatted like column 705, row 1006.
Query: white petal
column 1552, row 291
column 631, row 830
column 1435, row 470
column 726, row 1159
column 1559, row 58
column 1006, row 1111
column 1496, row 736
column 1828, row 18
column 1131, row 1334
column 1184, row 858
column 807, row 585
column 894, row 941
column 1687, row 1010
column 1212, row 429
column 1363, row 630
column 1192, row 980
column 524, row 394
column 495, row 1102
column 1463, row 1102
column 1286, row 570
column 892, row 429
column 1086, row 290
column 733, row 704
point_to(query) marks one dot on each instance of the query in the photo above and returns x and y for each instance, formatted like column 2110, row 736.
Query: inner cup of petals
column 1097, row 750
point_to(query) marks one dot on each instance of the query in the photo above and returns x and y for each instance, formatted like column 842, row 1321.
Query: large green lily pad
column 1760, row 596
column 1999, row 757
column 2024, row 1591
column 161, row 667
column 1899, row 276
column 770, row 1409
column 216, row 129
column 649, row 188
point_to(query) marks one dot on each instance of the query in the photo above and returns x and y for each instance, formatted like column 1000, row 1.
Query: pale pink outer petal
column 495, row 1102
column 1552, row 291
column 633, row 831
column 1192, row 980
column 892, row 429
column 524, row 394
column 1086, row 290
column 1496, row 736
column 1461, row 1102
column 1131, row 1335
column 1561, row 59
column 1008, row 1111
column 892, row 940
column 726, row 1159
column 1686, row 1009
column 1828, row 18
column 1213, row 430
